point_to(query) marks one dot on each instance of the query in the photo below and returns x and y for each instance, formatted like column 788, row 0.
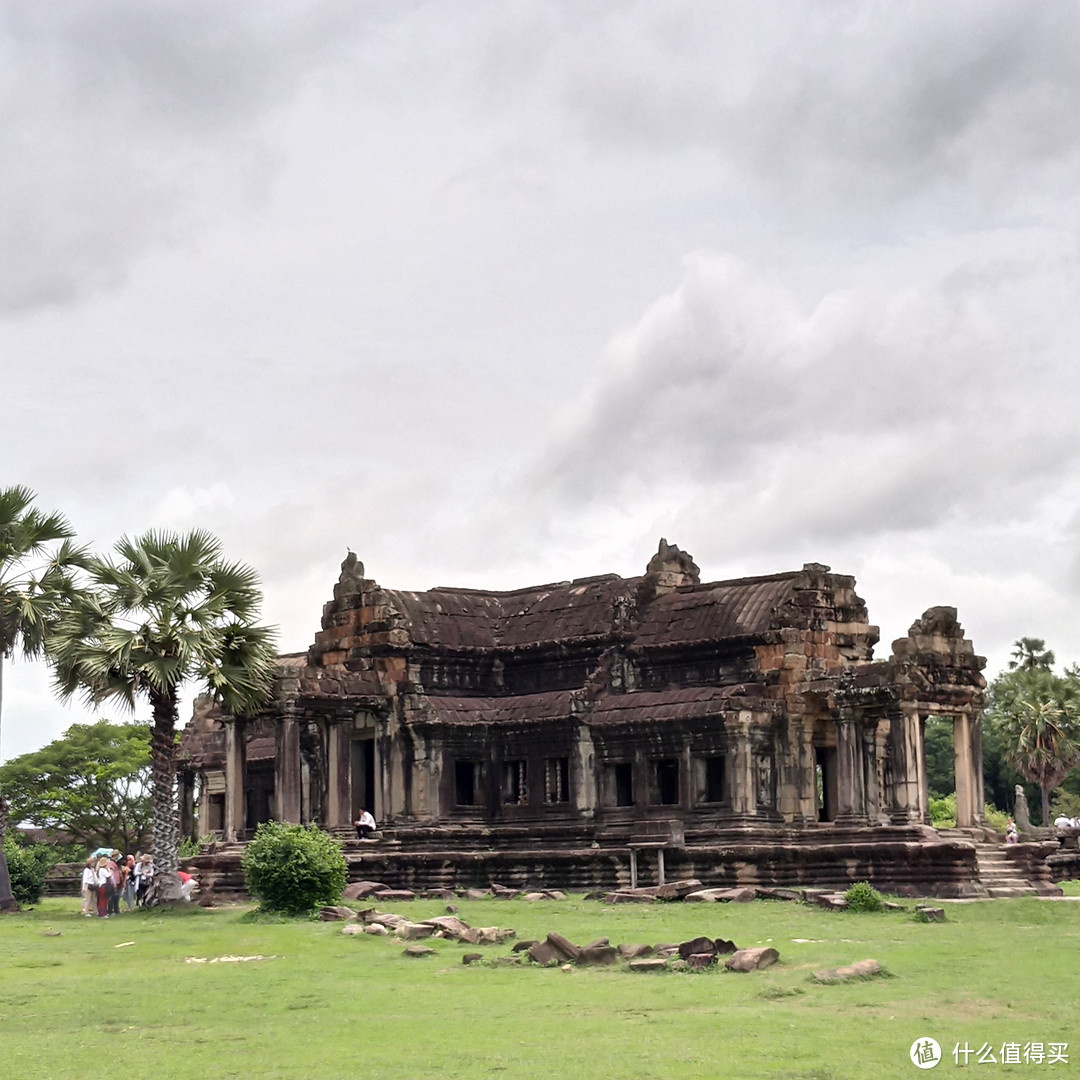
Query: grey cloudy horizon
column 497, row 294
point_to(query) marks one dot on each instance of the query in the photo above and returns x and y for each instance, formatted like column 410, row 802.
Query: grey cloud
column 131, row 125
column 881, row 407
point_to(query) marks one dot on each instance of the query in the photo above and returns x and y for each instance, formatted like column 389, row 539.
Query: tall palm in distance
column 1031, row 654
column 37, row 562
column 166, row 611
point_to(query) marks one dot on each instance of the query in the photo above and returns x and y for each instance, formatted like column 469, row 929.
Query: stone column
column 339, row 775
column 187, row 804
column 924, row 778
column 287, row 769
column 905, row 737
column 235, row 767
column 872, row 797
column 850, row 798
column 963, row 758
column 743, row 800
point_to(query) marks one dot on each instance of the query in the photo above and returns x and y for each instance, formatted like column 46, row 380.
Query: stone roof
column 714, row 612
column 546, row 614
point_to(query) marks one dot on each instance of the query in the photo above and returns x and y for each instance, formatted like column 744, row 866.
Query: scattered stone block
column 532, row 897
column 554, row 894
column 376, row 928
column 507, row 961
column 336, row 914
column 677, row 890
column 645, row 964
column 477, row 894
column 418, row 950
column 450, row 925
column 395, row 894
column 489, row 935
column 624, row 896
column 725, row 947
column 569, row 950
column 438, row 894
column 471, row 957
column 521, row 946
column 778, row 894
column 600, row 955
column 861, row 969
column 679, row 965
column 665, row 951
column 411, row 931
column 830, row 901
column 359, row 890
column 597, row 942
column 697, row 945
column 504, row 933
column 567, row 967
column 635, row 951
column 925, row 913
column 451, row 909
column 388, row 918
column 354, row 928
column 752, row 959
column 698, row 961
column 543, row 952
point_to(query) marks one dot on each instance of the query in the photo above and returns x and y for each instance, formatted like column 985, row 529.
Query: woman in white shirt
column 89, row 888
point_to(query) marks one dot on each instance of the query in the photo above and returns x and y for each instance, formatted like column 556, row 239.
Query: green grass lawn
column 327, row 1006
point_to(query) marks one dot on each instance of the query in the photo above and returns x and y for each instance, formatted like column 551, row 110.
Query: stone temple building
column 743, row 727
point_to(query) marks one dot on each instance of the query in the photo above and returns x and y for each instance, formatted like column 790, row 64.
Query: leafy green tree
column 37, row 559
column 1037, row 714
column 93, row 784
column 167, row 611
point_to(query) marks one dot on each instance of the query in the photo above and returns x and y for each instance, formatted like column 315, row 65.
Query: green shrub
column 26, row 867
column 943, row 812
column 995, row 818
column 862, row 896
column 293, row 870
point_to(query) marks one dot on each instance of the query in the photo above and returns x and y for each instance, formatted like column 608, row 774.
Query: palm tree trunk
column 7, row 899
column 166, row 884
column 1045, row 806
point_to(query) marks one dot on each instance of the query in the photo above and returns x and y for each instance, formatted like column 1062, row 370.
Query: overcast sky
column 499, row 293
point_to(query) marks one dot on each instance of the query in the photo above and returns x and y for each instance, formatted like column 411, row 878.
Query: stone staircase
column 1001, row 877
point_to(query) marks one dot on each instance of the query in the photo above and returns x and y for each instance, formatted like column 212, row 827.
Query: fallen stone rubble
column 555, row 949
column 690, row 890
column 377, row 890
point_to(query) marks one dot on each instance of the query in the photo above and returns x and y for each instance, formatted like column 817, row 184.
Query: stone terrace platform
column 902, row 861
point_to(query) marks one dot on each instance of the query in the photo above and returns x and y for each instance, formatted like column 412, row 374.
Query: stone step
column 1009, row 892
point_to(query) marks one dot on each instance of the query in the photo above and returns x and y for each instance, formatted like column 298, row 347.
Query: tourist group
column 109, row 877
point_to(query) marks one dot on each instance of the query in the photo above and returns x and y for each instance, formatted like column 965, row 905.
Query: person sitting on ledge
column 365, row 825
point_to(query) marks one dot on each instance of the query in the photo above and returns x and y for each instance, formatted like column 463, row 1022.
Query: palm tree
column 1031, row 653
column 167, row 611
column 35, row 581
column 1038, row 715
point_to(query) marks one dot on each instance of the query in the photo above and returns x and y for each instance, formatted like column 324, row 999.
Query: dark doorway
column 825, row 782
column 363, row 776
column 623, row 776
column 258, row 796
column 465, row 786
column 715, row 781
column 667, row 781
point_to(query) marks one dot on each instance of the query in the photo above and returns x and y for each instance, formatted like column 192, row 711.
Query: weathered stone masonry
column 583, row 716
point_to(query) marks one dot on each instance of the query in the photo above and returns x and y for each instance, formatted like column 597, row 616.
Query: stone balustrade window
column 557, row 780
column 515, row 783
